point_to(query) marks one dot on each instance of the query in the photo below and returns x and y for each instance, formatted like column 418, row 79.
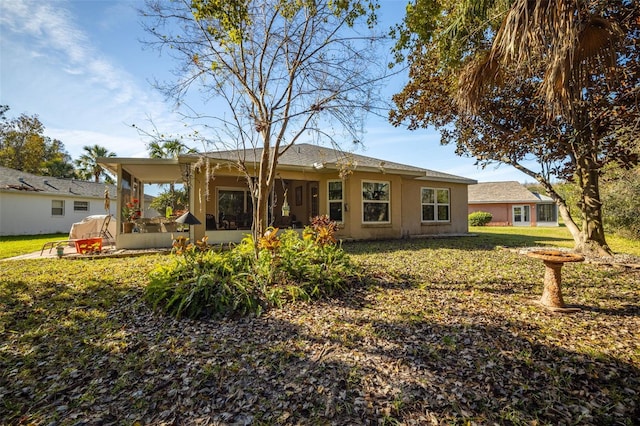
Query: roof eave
column 462, row 180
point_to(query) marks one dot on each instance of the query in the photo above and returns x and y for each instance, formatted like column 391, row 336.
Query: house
column 369, row 198
column 31, row 204
column 512, row 204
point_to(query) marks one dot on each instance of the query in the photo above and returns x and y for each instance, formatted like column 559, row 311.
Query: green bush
column 203, row 281
column 480, row 218
column 621, row 210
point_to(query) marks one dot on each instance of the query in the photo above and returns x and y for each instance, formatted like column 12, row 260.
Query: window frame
column 246, row 202
column 76, row 205
column 436, row 204
column 340, row 200
column 54, row 209
column 367, row 201
column 544, row 206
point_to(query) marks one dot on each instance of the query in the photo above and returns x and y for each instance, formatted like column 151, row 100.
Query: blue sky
column 80, row 67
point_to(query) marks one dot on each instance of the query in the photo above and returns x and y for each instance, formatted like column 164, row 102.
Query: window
column 546, row 213
column 57, row 207
column 375, row 202
column 80, row 206
column 335, row 200
column 234, row 208
column 435, row 205
column 521, row 215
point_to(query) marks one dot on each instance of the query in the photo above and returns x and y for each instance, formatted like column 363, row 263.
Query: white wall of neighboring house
column 29, row 213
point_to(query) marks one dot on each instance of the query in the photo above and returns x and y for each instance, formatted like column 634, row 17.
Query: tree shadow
column 622, row 311
column 341, row 363
column 436, row 357
column 471, row 242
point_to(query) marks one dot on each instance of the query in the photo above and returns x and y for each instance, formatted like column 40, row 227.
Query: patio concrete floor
column 71, row 253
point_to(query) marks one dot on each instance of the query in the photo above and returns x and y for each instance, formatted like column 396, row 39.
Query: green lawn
column 497, row 235
column 23, row 244
column 439, row 331
column 552, row 236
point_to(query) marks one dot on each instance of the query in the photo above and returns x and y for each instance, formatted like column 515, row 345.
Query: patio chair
column 104, row 232
column 52, row 244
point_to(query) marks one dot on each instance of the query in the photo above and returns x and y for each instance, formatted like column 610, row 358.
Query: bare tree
column 276, row 71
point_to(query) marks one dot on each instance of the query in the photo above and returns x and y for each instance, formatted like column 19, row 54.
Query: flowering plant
column 131, row 210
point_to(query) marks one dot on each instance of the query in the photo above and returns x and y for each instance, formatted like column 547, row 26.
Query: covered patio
column 149, row 229
column 222, row 206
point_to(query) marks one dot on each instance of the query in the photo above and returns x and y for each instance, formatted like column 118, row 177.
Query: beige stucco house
column 370, row 198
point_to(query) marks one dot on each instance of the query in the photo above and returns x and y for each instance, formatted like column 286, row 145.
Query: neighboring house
column 368, row 197
column 31, row 204
column 512, row 204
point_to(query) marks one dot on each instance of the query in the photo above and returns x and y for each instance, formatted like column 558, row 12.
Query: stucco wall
column 502, row 212
column 405, row 206
column 30, row 213
column 412, row 210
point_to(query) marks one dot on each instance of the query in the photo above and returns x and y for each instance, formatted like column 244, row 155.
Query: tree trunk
column 172, row 191
column 263, row 188
column 593, row 237
column 574, row 230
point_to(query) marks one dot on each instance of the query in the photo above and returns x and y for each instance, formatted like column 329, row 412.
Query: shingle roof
column 17, row 181
column 317, row 157
column 500, row 192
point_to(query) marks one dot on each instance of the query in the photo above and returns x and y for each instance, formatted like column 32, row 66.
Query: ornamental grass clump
column 202, row 281
column 206, row 281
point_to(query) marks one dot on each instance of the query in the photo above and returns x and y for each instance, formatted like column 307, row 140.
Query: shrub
column 212, row 282
column 202, row 281
column 621, row 210
column 480, row 218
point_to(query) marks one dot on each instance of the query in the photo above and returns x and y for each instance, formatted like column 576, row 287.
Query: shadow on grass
column 312, row 364
column 424, row 345
column 622, row 311
column 473, row 242
column 496, row 373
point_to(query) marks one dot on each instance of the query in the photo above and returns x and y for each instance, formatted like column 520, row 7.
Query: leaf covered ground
column 438, row 332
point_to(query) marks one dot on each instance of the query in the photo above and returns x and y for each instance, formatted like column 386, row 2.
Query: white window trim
column 435, row 205
column 363, row 201
column 341, row 200
column 521, row 222
column 63, row 208
column 81, row 210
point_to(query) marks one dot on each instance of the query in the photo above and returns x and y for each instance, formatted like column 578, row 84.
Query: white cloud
column 75, row 140
column 52, row 67
column 57, row 37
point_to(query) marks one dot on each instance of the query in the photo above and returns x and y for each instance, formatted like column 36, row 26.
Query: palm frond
column 573, row 41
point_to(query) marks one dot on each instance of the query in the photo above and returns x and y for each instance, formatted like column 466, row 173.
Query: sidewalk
column 70, row 253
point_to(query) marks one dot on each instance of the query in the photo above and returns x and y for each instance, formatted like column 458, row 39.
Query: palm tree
column 574, row 39
column 88, row 167
column 579, row 44
column 169, row 149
